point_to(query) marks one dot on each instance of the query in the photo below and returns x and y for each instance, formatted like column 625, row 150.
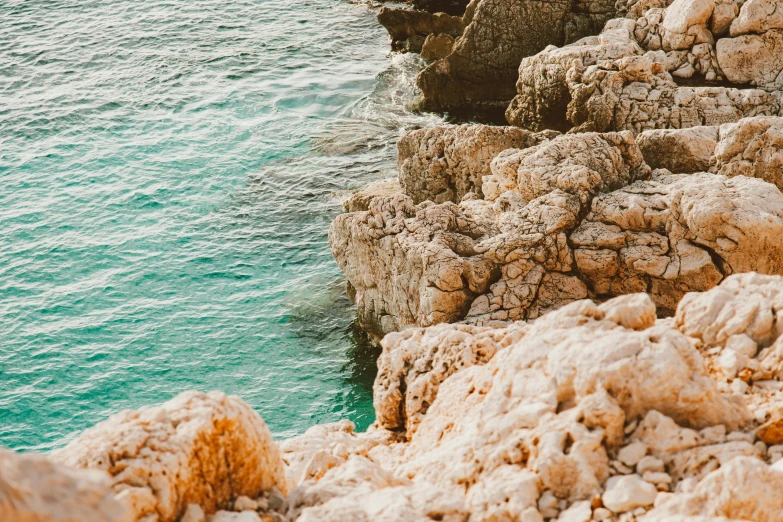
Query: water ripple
column 169, row 170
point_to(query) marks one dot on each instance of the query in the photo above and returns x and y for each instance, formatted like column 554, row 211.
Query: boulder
column 409, row 29
column 446, row 162
column 197, row 448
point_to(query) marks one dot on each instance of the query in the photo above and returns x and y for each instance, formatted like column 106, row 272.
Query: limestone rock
column 361, row 491
column 757, row 17
column 679, row 150
column 751, row 147
column 408, row 29
column 436, row 47
column 34, row 489
column 325, row 446
column 481, row 69
column 416, row 361
column 753, row 59
column 623, row 78
column 197, row 448
column 725, row 493
column 446, row 162
column 360, row 200
column 551, row 403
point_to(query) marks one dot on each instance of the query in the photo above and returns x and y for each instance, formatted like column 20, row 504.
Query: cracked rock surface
column 575, row 216
column 481, row 69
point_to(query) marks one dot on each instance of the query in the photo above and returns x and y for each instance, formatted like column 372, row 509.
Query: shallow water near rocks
column 169, row 172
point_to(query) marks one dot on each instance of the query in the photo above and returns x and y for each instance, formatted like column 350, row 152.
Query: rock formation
column 445, row 163
column 34, row 489
column 195, row 449
column 480, row 70
column 409, row 29
column 571, row 217
column 751, row 147
column 624, row 78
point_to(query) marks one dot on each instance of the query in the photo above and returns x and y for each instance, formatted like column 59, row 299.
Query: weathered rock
column 544, row 409
column 436, row 47
column 622, row 79
column 626, row 493
column 360, row 200
column 361, row 491
column 416, row 361
column 752, row 147
column 34, row 489
column 679, row 233
column 446, row 162
column 325, row 446
column 679, row 150
column 197, row 448
column 481, row 69
column 408, row 29
column 728, row 493
column 753, row 59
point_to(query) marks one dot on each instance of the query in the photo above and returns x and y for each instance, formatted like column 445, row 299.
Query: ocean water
column 168, row 173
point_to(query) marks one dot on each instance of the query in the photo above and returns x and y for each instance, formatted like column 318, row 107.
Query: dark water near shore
column 169, row 171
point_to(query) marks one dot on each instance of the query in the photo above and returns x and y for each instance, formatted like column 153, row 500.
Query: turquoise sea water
column 168, row 172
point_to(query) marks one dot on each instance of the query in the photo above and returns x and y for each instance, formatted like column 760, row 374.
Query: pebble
column 628, row 493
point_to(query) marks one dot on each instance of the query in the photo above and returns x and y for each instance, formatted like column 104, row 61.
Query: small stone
column 731, row 362
column 243, row 503
column 650, row 464
column 639, row 511
column 743, row 344
column 578, row 512
column 739, row 387
column 657, row 477
column 531, row 514
column 739, row 436
column 628, row 493
column 621, row 468
column 632, row 453
column 771, row 432
column 193, row 513
column 687, row 485
column 602, row 514
column 230, row 516
column 714, row 434
column 547, row 505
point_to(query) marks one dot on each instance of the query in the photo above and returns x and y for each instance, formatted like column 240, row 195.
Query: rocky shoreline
column 581, row 312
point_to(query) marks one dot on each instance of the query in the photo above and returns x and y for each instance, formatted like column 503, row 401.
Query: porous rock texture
column 203, row 449
column 611, row 82
column 409, row 29
column 34, row 489
column 575, row 216
column 750, row 147
column 481, row 69
column 554, row 419
column 446, row 162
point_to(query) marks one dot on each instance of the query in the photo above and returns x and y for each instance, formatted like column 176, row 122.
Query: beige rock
column 481, row 69
column 446, row 162
column 197, row 448
column 34, row 489
column 753, row 59
column 360, row 490
column 360, row 200
column 627, row 493
column 416, row 361
column 679, row 150
column 725, row 493
column 231, row 516
column 751, row 147
column 193, row 513
column 758, row 16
